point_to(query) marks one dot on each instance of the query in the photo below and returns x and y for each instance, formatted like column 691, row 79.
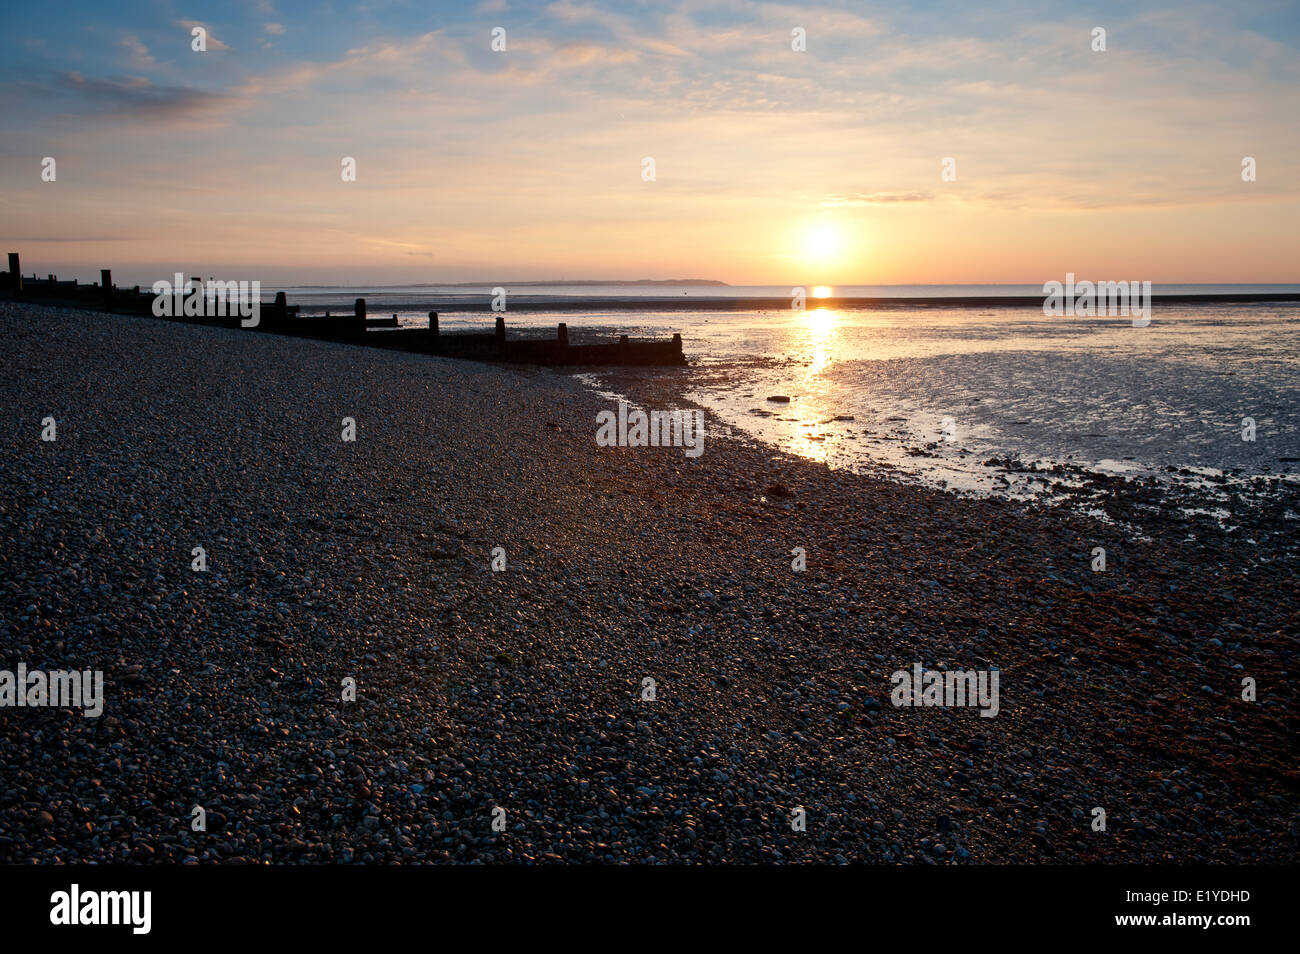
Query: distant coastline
column 570, row 303
column 549, row 283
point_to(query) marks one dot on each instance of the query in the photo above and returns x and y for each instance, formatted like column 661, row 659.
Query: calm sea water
column 868, row 387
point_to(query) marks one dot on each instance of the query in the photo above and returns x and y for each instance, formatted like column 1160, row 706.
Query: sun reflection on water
column 808, row 435
column 821, row 328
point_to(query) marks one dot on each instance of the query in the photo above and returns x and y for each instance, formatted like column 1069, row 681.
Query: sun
column 822, row 244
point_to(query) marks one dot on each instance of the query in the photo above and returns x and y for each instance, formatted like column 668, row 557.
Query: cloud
column 847, row 199
column 386, row 60
column 136, row 95
column 72, row 238
column 581, row 54
column 626, row 31
column 213, row 43
column 275, row 29
column 138, row 57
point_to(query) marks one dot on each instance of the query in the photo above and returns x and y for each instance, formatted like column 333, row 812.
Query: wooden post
column 433, row 323
column 106, row 283
column 677, row 343
column 564, row 335
column 281, row 311
column 361, row 308
column 15, row 273
column 501, row 331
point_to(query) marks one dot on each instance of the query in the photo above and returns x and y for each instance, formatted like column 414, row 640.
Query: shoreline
column 519, row 689
column 1255, row 504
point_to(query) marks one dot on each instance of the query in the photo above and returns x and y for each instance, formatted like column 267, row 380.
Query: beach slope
column 525, row 690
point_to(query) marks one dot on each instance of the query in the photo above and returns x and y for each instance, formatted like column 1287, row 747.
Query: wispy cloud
column 849, row 199
column 138, row 57
column 78, row 237
column 582, row 54
column 212, row 42
column 135, row 95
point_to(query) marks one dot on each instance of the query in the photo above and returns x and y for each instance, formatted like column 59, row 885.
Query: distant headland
column 552, row 283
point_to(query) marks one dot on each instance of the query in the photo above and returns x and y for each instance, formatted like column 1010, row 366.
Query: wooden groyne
column 279, row 317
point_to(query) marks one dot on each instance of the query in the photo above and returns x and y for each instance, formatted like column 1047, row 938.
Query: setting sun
column 822, row 244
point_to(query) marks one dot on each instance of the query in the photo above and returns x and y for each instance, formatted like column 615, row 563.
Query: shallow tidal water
column 935, row 392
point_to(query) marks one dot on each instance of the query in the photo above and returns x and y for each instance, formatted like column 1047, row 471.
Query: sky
column 771, row 165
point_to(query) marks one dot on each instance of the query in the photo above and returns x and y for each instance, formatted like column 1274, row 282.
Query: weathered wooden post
column 361, row 309
column 677, row 343
column 563, row 335
column 281, row 310
column 433, row 323
column 15, row 273
column 106, row 284
column 501, row 331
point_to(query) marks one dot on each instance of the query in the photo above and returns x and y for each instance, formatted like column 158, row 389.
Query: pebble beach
column 518, row 696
